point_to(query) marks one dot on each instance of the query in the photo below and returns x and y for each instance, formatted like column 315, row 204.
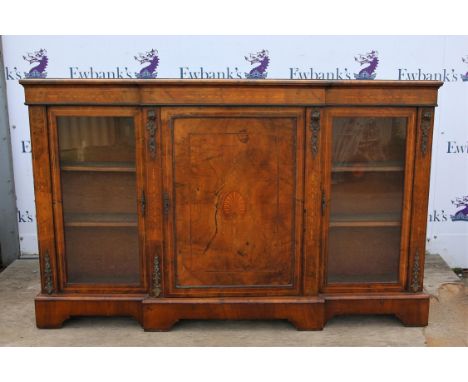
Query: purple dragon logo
column 149, row 71
column 39, row 57
column 372, row 60
column 262, row 59
column 461, row 215
column 465, row 76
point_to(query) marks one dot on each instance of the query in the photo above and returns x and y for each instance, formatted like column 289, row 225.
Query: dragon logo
column 39, row 57
column 370, row 59
column 262, row 59
column 464, row 77
column 461, row 215
column 149, row 71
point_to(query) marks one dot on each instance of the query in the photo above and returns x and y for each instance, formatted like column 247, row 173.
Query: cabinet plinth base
column 412, row 309
column 160, row 314
column 303, row 312
column 53, row 310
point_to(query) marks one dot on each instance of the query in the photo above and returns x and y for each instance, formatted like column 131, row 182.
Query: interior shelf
column 368, row 166
column 101, row 220
column 390, row 278
column 99, row 166
column 371, row 220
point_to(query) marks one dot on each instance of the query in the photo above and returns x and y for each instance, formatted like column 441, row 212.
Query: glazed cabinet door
column 232, row 199
column 367, row 196
column 97, row 198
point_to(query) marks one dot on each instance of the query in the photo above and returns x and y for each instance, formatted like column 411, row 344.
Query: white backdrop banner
column 401, row 58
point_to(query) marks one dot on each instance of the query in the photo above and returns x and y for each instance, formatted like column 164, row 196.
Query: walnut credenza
column 231, row 199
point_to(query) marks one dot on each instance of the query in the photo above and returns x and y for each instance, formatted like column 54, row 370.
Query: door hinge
column 151, row 127
column 324, row 203
column 166, row 203
column 143, row 203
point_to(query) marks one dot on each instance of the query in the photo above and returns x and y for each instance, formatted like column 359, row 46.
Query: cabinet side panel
column 43, row 195
column 420, row 198
column 312, row 199
column 140, row 162
column 153, row 153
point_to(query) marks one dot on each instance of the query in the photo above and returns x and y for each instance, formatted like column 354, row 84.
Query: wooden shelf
column 368, row 167
column 98, row 166
column 101, row 220
column 359, row 279
column 381, row 220
column 365, row 224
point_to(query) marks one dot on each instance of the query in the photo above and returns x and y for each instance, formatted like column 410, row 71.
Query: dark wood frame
column 168, row 117
column 410, row 115
column 311, row 302
column 53, row 113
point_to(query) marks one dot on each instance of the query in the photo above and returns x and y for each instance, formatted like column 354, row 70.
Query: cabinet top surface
column 233, row 82
column 135, row 92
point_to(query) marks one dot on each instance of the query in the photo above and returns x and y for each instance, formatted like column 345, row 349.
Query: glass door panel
column 98, row 183
column 366, row 199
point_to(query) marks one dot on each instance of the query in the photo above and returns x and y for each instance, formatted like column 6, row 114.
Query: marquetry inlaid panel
column 234, row 192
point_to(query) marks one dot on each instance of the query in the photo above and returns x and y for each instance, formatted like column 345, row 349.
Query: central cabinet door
column 233, row 191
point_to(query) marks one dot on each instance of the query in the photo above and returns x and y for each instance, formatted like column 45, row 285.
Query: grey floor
column 448, row 322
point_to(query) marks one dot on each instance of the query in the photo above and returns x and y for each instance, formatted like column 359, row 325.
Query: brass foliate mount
column 415, row 276
column 315, row 129
column 48, row 278
column 425, row 130
column 151, row 127
column 156, row 287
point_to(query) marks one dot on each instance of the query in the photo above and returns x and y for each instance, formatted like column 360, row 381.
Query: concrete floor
column 448, row 322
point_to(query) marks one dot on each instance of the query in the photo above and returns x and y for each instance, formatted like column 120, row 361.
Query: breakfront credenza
column 231, row 199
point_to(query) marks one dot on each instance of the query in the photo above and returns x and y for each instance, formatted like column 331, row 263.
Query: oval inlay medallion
column 234, row 205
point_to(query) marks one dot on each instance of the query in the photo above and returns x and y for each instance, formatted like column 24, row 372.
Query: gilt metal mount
column 415, row 275
column 425, row 129
column 315, row 129
column 156, row 287
column 48, row 278
column 151, row 127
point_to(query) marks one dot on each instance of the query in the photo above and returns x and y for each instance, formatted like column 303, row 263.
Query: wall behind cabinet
column 292, row 57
